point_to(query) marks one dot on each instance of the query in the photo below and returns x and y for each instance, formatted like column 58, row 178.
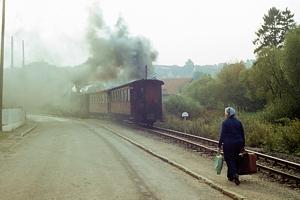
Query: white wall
column 12, row 118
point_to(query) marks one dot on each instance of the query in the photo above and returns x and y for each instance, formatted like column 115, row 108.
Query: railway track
column 283, row 170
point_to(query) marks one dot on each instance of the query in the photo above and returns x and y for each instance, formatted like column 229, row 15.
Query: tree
column 273, row 31
column 271, row 82
column 232, row 90
column 178, row 104
column 291, row 64
column 204, row 90
column 189, row 64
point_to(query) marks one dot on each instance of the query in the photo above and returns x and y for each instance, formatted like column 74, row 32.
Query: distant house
column 174, row 85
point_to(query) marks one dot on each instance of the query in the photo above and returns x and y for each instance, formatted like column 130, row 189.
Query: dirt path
column 63, row 159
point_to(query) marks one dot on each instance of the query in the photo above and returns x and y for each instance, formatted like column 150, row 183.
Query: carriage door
column 138, row 103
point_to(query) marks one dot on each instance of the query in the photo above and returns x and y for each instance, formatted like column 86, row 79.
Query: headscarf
column 230, row 111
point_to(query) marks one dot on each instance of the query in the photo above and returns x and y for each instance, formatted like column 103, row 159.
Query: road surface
column 65, row 159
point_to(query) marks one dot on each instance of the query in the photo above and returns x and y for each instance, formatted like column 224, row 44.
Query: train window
column 128, row 92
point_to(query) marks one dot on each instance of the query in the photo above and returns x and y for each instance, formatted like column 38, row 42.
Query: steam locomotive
column 140, row 100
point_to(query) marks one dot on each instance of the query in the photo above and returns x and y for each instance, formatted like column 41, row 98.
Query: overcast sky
column 208, row 32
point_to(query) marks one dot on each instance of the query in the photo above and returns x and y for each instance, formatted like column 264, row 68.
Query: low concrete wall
column 12, row 118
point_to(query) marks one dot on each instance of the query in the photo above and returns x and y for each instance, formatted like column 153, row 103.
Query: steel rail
column 191, row 141
column 259, row 155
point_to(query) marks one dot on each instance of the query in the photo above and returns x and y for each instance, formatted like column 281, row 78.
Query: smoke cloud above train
column 114, row 54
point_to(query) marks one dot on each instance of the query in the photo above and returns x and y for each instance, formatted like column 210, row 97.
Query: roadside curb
column 29, row 130
column 207, row 181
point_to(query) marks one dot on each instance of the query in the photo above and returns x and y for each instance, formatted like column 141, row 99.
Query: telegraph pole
column 23, row 54
column 12, row 51
column 2, row 61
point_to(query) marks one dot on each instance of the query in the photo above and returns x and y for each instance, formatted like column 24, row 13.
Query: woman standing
column 233, row 140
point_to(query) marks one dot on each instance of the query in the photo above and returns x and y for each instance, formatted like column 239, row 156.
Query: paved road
column 64, row 159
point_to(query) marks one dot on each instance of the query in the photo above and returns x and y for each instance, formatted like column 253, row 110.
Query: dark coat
column 233, row 140
column 232, row 131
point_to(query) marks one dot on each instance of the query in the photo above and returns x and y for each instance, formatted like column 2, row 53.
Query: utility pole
column 12, row 52
column 2, row 61
column 146, row 72
column 23, row 54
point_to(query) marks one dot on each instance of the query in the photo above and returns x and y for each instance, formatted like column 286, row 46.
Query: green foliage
column 232, row 91
column 291, row 137
column 199, row 75
column 291, row 61
column 204, row 91
column 197, row 126
column 254, row 100
column 178, row 104
column 189, row 64
column 272, row 32
column 258, row 133
column 270, row 81
column 227, row 88
column 281, row 108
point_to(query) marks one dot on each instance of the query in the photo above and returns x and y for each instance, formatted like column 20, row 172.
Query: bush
column 290, row 140
column 176, row 105
column 281, row 108
column 281, row 137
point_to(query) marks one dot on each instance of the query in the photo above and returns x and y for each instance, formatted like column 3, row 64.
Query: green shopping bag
column 218, row 162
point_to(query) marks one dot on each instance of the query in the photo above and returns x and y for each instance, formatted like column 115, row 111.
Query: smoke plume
column 114, row 55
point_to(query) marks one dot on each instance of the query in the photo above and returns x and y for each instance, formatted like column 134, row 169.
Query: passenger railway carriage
column 139, row 100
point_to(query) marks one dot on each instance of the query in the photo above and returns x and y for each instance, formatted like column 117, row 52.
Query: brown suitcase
column 247, row 163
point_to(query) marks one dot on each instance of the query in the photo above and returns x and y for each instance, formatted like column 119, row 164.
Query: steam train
column 140, row 100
